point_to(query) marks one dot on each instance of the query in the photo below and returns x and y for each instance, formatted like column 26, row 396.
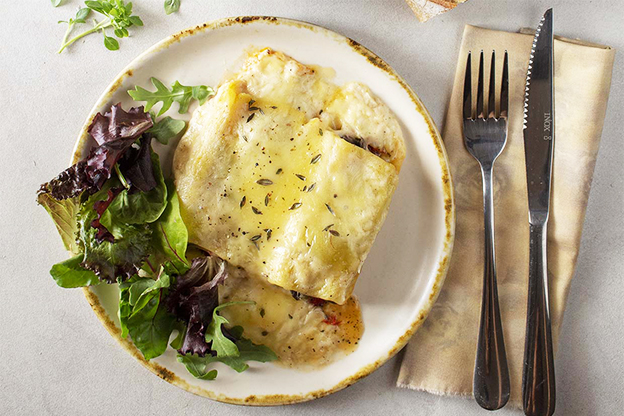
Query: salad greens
column 116, row 13
column 166, row 128
column 179, row 93
column 120, row 218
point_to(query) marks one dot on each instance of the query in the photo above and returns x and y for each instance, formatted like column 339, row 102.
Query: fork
column 485, row 136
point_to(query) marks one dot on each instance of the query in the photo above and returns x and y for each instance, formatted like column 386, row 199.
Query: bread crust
column 426, row 9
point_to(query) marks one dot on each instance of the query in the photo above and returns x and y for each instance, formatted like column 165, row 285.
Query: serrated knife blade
column 539, row 121
column 538, row 375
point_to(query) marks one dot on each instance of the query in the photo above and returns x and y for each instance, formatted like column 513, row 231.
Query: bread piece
column 426, row 9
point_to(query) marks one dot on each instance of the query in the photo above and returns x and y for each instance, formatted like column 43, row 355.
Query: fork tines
column 504, row 92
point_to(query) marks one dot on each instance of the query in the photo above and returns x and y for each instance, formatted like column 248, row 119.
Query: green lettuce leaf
column 169, row 234
column 70, row 273
column 135, row 207
column 143, row 316
column 151, row 328
column 117, row 260
column 63, row 213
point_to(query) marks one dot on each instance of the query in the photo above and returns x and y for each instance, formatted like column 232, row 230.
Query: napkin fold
column 440, row 357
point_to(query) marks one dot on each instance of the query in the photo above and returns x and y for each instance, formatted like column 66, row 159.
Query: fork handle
column 491, row 375
column 538, row 375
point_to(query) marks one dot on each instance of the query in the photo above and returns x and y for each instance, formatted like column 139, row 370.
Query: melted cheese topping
column 301, row 334
column 269, row 186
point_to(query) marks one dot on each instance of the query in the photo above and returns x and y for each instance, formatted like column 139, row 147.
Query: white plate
column 406, row 267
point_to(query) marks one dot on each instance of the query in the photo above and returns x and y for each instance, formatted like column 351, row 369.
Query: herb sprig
column 179, row 93
column 117, row 14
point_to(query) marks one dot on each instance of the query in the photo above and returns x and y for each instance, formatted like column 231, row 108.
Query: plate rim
column 442, row 261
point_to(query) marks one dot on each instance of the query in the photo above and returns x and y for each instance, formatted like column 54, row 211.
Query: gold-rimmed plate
column 406, row 267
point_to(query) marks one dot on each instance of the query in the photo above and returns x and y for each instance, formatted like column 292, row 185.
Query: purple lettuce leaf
column 136, row 166
column 117, row 124
column 193, row 299
column 115, row 132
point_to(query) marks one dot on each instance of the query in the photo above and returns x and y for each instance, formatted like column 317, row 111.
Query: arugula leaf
column 223, row 346
column 179, row 93
column 63, row 214
column 117, row 260
column 132, row 206
column 253, row 352
column 70, row 273
column 248, row 351
column 172, row 6
column 57, row 3
column 167, row 128
column 117, row 15
column 169, row 234
column 197, row 366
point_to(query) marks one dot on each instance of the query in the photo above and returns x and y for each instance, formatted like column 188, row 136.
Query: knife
column 538, row 376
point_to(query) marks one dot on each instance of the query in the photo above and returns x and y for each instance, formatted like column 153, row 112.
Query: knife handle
column 491, row 374
column 538, row 375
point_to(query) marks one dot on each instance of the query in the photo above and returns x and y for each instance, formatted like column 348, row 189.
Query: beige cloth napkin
column 440, row 357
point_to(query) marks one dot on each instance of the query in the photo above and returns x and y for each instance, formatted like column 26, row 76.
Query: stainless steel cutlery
column 485, row 135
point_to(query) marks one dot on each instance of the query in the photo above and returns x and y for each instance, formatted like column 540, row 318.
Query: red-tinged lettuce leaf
column 194, row 298
column 117, row 124
column 136, row 166
column 114, row 132
column 113, row 261
column 133, row 206
column 102, row 233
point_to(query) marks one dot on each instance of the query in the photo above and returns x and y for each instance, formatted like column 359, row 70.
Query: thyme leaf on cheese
column 182, row 94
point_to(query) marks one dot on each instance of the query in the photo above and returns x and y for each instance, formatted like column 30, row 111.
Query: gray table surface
column 56, row 358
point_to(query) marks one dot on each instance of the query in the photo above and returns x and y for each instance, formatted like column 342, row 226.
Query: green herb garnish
column 117, row 14
column 179, row 93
